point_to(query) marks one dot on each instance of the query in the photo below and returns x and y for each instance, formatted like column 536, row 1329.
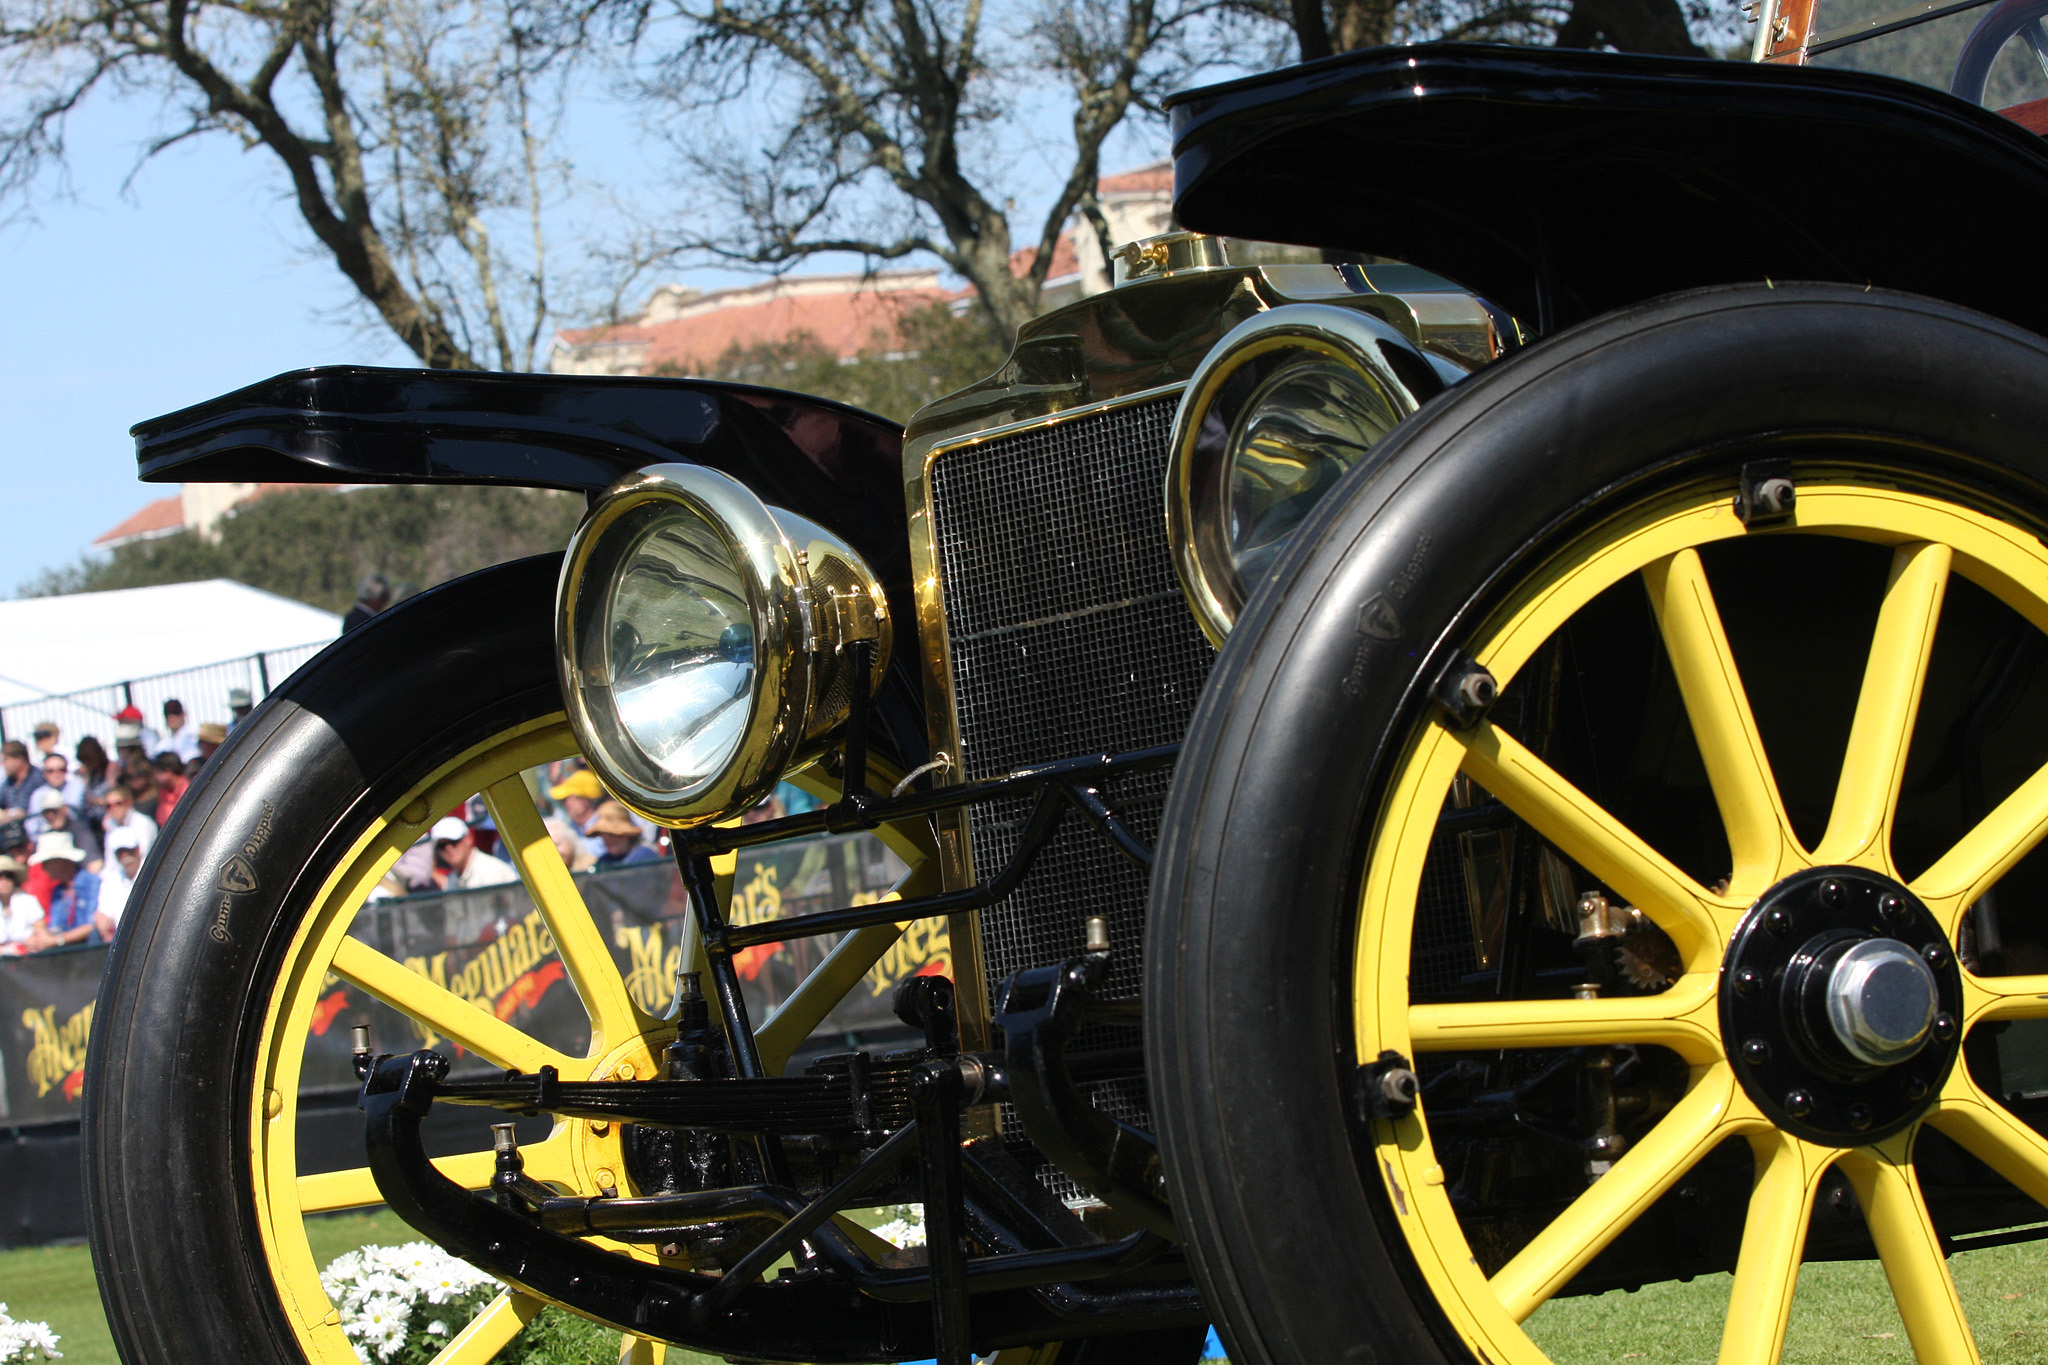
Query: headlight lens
column 700, row 636
column 1281, row 409
column 1307, row 424
column 682, row 644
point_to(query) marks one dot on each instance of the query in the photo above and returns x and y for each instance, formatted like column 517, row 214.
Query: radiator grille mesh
column 1069, row 636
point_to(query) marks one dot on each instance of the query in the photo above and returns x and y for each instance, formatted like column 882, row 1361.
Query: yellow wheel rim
column 574, row 1156
column 1931, row 540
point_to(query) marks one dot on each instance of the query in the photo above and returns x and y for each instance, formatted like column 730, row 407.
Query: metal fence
column 204, row 692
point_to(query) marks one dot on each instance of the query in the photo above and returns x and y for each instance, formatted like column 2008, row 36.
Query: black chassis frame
column 1039, row 1275
column 1562, row 184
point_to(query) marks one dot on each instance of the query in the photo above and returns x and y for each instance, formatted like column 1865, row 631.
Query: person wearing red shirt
column 171, row 784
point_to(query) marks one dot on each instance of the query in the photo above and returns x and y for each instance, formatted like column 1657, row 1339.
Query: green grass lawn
column 1842, row 1314
column 55, row 1285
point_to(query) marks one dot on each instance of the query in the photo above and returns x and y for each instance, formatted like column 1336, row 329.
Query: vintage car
column 1457, row 787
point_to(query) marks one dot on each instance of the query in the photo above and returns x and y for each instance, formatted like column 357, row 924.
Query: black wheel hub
column 1840, row 997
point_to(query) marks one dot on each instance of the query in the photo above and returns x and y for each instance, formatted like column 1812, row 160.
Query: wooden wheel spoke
column 1602, row 1213
column 1987, row 852
column 592, row 969
column 442, row 1010
column 490, row 1331
column 1985, row 1129
column 355, row 1188
column 1910, row 1250
column 1587, row 833
column 1738, row 769
column 1663, row 1019
column 1788, row 1173
column 2006, row 997
column 1882, row 730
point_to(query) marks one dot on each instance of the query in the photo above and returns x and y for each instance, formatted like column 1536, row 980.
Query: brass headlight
column 700, row 638
column 1282, row 407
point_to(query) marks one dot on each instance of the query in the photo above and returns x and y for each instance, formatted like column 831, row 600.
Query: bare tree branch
column 434, row 94
column 883, row 120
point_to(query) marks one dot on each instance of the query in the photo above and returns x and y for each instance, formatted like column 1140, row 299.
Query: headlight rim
column 1196, row 477
column 769, row 570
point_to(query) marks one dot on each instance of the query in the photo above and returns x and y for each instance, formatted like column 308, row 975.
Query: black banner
column 492, row 948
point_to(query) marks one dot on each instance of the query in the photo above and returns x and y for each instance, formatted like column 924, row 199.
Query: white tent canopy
column 208, row 636
column 89, row 639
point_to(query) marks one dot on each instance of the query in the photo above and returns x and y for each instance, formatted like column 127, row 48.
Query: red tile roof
column 1149, row 179
column 847, row 314
column 846, row 322
column 158, row 518
column 166, row 515
column 1064, row 261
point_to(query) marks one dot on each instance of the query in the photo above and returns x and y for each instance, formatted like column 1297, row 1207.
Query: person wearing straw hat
column 21, row 915
column 74, row 892
column 622, row 847
column 211, row 736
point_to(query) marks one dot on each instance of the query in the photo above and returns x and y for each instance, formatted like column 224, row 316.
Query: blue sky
column 198, row 280
column 122, row 308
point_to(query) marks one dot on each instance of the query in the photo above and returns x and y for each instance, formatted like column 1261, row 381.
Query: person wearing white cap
column 49, row 811
column 74, row 892
column 459, row 865
column 21, row 915
column 124, row 860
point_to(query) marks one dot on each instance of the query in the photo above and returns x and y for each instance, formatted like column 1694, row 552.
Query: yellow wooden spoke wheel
column 198, row 1196
column 1625, row 800
column 1730, row 1095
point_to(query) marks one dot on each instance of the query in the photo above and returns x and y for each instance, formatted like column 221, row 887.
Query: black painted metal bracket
column 844, row 1306
column 1039, row 1013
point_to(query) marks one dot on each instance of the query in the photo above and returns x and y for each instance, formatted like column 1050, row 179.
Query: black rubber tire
column 170, row 1202
column 1251, row 928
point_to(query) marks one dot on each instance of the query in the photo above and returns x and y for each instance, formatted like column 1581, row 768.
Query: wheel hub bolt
column 1881, row 1001
column 1778, row 922
column 1944, row 1026
column 1935, row 954
column 1798, row 1104
column 1831, row 894
column 1859, row 1116
column 1756, row 1052
column 1891, row 906
column 1748, row 981
column 1915, row 1087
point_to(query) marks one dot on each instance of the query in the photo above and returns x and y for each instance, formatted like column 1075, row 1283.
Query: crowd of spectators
column 590, row 830
column 75, row 829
